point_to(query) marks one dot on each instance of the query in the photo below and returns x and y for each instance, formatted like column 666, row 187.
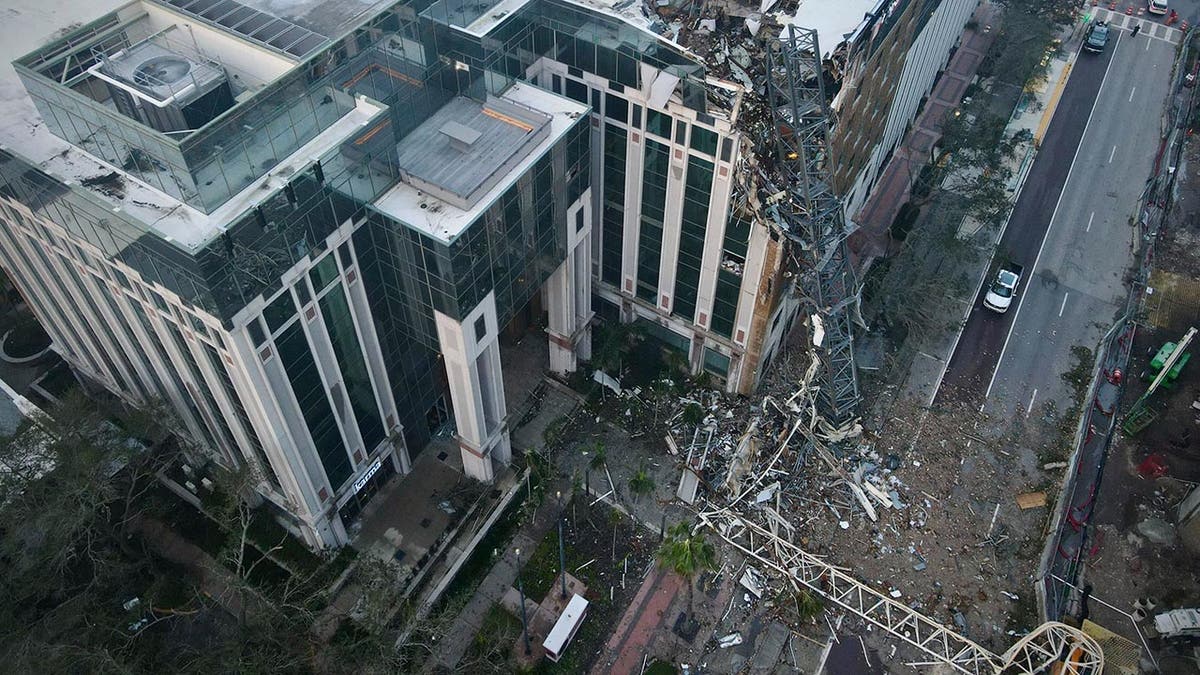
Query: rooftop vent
column 462, row 137
column 161, row 71
column 165, row 89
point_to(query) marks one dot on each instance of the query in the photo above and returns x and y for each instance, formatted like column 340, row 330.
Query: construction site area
column 1144, row 537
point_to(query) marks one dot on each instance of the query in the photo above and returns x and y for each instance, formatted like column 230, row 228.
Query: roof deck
column 466, row 146
column 454, row 182
column 296, row 27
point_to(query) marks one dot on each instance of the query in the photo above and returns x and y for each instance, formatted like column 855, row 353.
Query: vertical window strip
column 615, row 149
column 729, row 275
column 349, row 354
column 222, row 433
column 694, row 225
column 654, row 200
column 315, row 409
column 218, row 364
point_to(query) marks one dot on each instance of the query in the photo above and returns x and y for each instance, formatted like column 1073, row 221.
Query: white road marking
column 1133, row 90
column 1045, row 237
column 1031, row 399
column 1148, row 45
column 1064, row 305
column 1112, row 154
column 1089, row 227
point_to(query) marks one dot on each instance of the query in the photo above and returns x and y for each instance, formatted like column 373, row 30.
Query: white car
column 1157, row 7
column 1000, row 294
column 1178, row 624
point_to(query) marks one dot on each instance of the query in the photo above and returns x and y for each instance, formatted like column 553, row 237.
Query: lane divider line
column 1050, row 225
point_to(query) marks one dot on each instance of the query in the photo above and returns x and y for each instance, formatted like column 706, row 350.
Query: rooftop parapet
column 191, row 107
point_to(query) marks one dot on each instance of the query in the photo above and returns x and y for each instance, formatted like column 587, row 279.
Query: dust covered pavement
column 925, row 511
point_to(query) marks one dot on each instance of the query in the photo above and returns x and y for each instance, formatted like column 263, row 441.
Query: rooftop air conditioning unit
column 164, row 89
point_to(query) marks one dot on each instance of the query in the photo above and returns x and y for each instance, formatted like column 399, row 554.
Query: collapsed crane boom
column 810, row 211
column 1049, row 644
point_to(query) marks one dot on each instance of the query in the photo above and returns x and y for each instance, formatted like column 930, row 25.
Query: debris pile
column 786, row 488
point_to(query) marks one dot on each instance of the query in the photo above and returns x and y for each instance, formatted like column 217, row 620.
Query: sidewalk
column 630, row 641
column 871, row 240
column 503, row 575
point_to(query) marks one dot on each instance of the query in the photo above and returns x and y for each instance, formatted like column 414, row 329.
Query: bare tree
column 71, row 484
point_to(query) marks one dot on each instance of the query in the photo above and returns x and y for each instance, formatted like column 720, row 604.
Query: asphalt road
column 1070, row 230
column 1188, row 9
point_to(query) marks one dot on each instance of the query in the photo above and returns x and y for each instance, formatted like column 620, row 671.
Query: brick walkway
column 629, row 642
column 872, row 240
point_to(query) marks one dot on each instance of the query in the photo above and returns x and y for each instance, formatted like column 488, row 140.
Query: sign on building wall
column 358, row 484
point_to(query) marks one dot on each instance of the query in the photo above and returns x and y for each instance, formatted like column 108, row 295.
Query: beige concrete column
column 569, row 293
column 471, row 353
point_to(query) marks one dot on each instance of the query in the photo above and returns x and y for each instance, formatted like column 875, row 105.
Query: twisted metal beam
column 810, row 211
column 1056, row 645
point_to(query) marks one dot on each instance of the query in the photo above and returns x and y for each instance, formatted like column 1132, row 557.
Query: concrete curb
column 1055, row 97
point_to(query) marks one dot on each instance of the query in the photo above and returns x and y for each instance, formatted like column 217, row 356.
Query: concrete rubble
column 773, row 463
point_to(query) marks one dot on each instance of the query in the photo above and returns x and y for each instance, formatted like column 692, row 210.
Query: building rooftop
column 328, row 19
column 34, row 23
column 834, row 20
column 465, row 146
column 501, row 160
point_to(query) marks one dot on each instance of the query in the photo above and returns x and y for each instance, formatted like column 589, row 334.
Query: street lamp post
column 562, row 554
column 524, row 618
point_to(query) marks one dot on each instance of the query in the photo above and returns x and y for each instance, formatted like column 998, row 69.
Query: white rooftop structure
column 445, row 221
column 34, row 23
column 466, row 147
column 834, row 20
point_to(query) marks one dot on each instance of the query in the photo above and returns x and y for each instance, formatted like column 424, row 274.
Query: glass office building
column 302, row 245
column 307, row 231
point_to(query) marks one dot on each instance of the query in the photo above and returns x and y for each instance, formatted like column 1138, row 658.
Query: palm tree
column 692, row 414
column 677, row 363
column 599, row 456
column 687, row 554
column 641, row 483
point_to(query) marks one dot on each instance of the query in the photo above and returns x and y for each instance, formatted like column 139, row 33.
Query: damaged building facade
column 307, row 234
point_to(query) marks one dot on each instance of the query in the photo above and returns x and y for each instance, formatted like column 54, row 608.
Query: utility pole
column 524, row 618
column 562, row 551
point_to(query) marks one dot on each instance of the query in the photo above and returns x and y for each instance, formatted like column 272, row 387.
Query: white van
column 1157, row 7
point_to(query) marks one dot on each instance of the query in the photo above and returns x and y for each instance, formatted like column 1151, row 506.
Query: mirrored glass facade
column 319, row 301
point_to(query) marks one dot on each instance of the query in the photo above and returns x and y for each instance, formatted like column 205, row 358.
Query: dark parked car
column 1097, row 37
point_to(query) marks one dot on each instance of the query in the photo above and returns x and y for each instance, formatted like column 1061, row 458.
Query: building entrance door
column 350, row 511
